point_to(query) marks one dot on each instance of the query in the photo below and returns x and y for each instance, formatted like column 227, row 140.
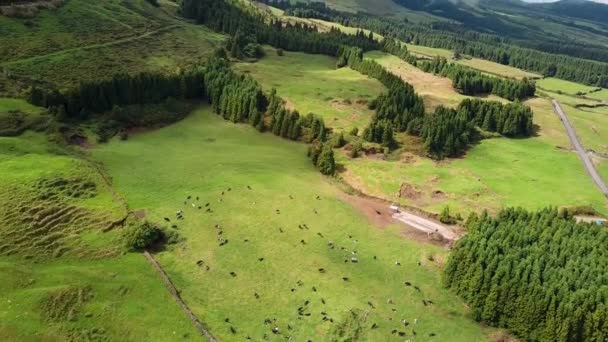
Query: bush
column 356, row 150
column 354, row 132
column 140, row 237
column 280, row 52
column 446, row 217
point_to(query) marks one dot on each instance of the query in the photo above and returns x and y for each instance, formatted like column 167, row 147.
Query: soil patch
column 375, row 210
column 140, row 214
column 409, row 191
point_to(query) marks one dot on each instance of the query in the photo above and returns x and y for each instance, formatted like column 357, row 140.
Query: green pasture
column 261, row 192
column 312, row 84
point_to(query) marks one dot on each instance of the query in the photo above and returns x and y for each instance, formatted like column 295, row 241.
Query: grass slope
column 495, row 173
column 436, row 90
column 311, row 83
column 86, row 40
column 62, row 277
column 205, row 156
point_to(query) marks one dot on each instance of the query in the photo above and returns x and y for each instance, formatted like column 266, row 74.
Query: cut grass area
column 312, row 84
column 475, row 63
column 591, row 125
column 54, row 207
column 533, row 173
column 204, row 156
column 599, row 95
column 556, row 85
column 435, row 90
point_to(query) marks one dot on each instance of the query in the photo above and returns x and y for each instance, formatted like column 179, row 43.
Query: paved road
column 580, row 150
column 425, row 225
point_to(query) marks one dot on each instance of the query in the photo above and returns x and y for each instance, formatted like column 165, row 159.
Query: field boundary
column 175, row 294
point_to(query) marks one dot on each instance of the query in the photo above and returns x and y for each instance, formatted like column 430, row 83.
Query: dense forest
column 511, row 119
column 102, row 95
column 480, row 45
column 540, row 274
column 446, row 132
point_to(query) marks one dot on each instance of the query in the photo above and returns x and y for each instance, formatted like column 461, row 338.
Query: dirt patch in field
column 438, row 194
column 288, row 104
column 140, row 214
column 409, row 191
column 375, row 210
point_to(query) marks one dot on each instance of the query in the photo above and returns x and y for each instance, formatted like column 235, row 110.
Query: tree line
column 539, row 274
column 119, row 90
column 247, row 26
column 446, row 132
column 481, row 45
column 473, row 82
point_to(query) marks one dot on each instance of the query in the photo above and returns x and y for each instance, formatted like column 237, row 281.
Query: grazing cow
column 407, row 283
column 303, row 242
column 189, row 197
column 321, row 270
column 314, row 289
column 233, row 274
column 197, row 198
column 397, row 263
column 345, row 278
column 276, row 330
column 390, row 301
column 394, row 331
column 167, row 219
column 378, row 212
column 318, row 197
column 374, row 326
column 229, row 189
column 323, row 301
column 289, row 327
column 207, row 268
column 246, row 240
column 281, row 230
column 405, row 323
column 290, row 197
column 293, row 290
column 354, row 260
column 430, row 302
column 248, row 187
column 207, row 204
column 424, row 302
column 256, row 295
column 321, row 235
column 432, row 335
column 300, row 283
column 261, row 259
column 222, row 193
column 232, row 330
column 401, row 333
column 174, row 226
column 306, row 302
column 417, row 288
column 371, row 305
column 227, row 320
column 200, row 262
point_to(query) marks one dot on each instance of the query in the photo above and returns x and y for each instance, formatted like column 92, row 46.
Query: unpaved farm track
column 582, row 153
column 175, row 293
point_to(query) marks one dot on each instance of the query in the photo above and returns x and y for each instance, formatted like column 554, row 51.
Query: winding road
column 580, row 150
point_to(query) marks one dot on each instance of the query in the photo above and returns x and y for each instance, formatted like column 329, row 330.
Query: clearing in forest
column 312, row 84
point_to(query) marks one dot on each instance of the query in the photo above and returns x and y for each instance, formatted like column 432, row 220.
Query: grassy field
column 90, row 40
column 11, row 104
column 591, row 126
column 475, row 63
column 311, row 83
column 566, row 87
column 260, row 189
column 435, row 90
column 599, row 95
column 495, row 173
column 62, row 277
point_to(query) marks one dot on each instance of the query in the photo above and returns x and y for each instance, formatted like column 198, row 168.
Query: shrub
column 446, row 217
column 142, row 236
column 280, row 52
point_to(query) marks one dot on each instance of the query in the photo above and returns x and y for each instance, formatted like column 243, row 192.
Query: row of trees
column 485, row 46
column 539, row 274
column 246, row 26
column 473, row 82
column 118, row 90
column 446, row 132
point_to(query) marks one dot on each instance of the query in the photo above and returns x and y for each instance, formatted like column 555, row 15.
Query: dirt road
column 425, row 225
column 580, row 150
